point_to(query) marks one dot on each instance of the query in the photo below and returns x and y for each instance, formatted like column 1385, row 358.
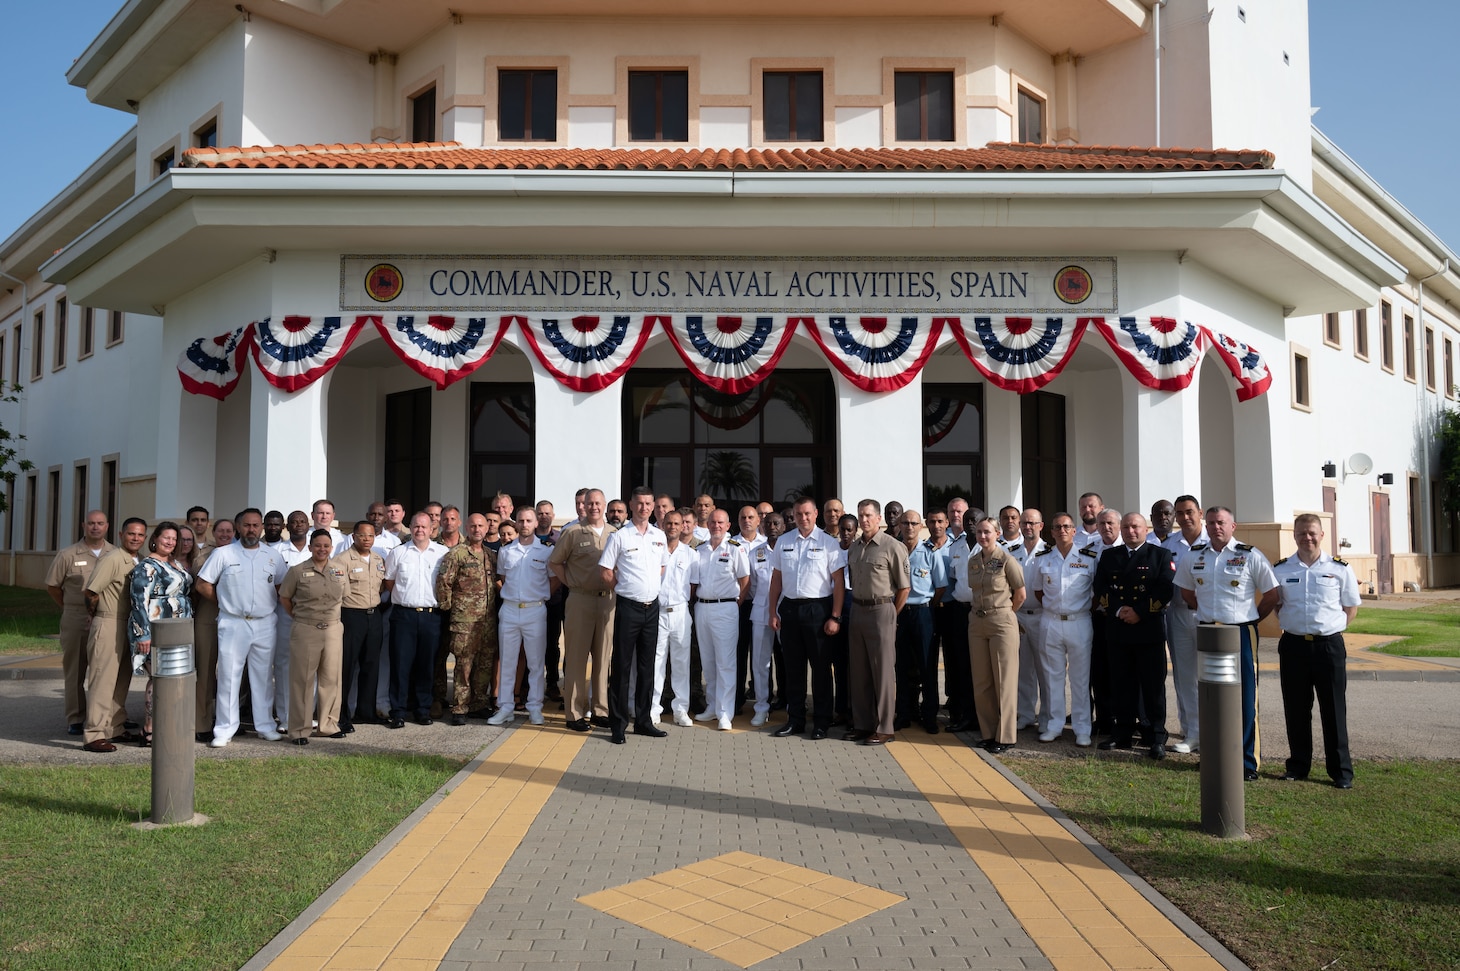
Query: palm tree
column 728, row 474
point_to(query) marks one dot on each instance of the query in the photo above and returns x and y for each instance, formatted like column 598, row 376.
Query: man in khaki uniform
column 108, row 654
column 205, row 628
column 362, row 619
column 66, row 583
column 880, row 585
column 588, row 614
column 465, row 594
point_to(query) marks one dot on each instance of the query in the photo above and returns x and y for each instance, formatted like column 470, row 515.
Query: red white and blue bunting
column 1019, row 354
column 298, row 351
column 875, row 353
column 440, row 348
column 1245, row 363
column 1158, row 352
column 730, row 354
column 212, row 365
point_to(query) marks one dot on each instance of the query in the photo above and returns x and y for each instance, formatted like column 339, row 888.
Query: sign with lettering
column 729, row 284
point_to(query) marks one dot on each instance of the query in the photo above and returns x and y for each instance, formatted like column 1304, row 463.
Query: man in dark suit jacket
column 1134, row 582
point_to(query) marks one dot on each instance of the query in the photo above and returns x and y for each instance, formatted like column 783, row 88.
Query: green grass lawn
column 83, row 889
column 26, row 616
column 1430, row 631
column 1368, row 878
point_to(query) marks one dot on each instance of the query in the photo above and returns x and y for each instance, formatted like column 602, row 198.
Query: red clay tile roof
column 995, row 157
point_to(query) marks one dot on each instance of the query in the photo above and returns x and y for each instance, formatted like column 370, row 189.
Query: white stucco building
column 627, row 165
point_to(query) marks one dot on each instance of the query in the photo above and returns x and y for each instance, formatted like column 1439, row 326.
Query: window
column 1430, row 358
column 1414, row 511
column 1361, row 334
column 15, row 359
column 1302, row 388
column 206, row 136
column 952, row 444
column 527, row 106
column 114, row 329
column 2, row 355
column 793, row 106
column 81, row 487
column 38, row 345
column 1031, row 117
column 110, row 488
column 1042, row 434
column 408, row 447
column 423, row 116
column 58, row 340
column 503, row 426
column 924, row 106
column 10, row 515
column 1449, row 368
column 659, row 106
column 164, row 162
column 1386, row 337
column 53, row 509
column 1330, row 330
column 31, row 483
column 1408, row 347
column 86, row 342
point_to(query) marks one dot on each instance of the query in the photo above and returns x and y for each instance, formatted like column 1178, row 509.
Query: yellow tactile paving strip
column 407, row 910
column 1083, row 915
column 740, row 907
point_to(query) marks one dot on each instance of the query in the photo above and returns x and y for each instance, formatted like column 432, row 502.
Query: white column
column 879, row 444
column 1003, row 449
column 288, row 454
column 450, row 448
column 1161, row 444
column 579, row 439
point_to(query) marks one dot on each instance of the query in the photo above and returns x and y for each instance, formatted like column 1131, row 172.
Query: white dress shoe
column 535, row 717
column 681, row 718
column 1181, row 748
column 724, row 723
column 1083, row 741
column 705, row 716
column 502, row 717
column 218, row 743
column 270, row 736
column 1048, row 736
column 760, row 718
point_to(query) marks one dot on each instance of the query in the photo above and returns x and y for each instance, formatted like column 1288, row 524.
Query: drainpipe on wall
column 1156, row 30
column 1428, row 513
column 24, row 314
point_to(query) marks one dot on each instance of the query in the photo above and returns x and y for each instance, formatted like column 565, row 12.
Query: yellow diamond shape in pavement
column 772, row 906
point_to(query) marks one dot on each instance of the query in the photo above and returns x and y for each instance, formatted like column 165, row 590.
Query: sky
column 1384, row 89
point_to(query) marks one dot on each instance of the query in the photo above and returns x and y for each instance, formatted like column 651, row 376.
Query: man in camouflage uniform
column 465, row 591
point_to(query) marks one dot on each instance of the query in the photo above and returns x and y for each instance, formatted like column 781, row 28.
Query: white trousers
column 1066, row 645
column 718, row 627
column 245, row 642
column 522, row 630
column 1181, row 641
column 762, row 645
column 673, row 648
column 1034, row 692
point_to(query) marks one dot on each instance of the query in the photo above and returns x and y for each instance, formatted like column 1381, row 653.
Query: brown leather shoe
column 100, row 745
column 878, row 738
column 857, row 735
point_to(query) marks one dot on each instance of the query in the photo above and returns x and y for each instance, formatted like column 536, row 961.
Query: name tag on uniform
column 309, row 573
column 814, row 551
column 80, row 563
column 358, row 569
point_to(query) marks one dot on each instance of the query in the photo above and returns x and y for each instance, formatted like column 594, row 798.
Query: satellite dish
column 1360, row 464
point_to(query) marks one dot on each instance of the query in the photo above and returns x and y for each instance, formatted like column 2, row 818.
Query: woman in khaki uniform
column 312, row 593
column 997, row 582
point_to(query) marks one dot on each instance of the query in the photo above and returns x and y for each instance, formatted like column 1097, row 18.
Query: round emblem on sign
column 1072, row 284
column 384, row 282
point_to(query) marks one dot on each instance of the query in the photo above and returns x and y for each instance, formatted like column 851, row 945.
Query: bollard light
column 174, row 686
column 1219, row 701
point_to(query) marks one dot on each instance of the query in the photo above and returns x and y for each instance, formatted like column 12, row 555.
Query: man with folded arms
column 587, row 614
column 522, row 623
column 719, row 580
column 1062, row 578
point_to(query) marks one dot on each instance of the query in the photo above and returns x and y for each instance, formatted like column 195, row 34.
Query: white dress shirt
column 718, row 570
column 806, row 564
column 524, row 571
column 1064, row 581
column 1311, row 598
column 246, row 582
column 1226, row 583
column 638, row 561
column 674, row 589
column 413, row 572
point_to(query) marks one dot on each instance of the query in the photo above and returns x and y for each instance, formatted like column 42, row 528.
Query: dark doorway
column 1042, row 421
column 1383, row 544
column 503, row 420
column 952, row 444
column 408, row 448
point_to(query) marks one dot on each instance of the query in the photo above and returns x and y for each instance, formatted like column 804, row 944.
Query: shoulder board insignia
column 1336, row 560
column 735, row 542
column 1045, row 552
column 1087, row 551
column 1283, row 560
column 1198, row 546
column 1243, row 547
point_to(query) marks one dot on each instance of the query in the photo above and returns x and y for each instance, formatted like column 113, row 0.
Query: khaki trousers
column 108, row 676
column 315, row 654
column 75, row 622
column 993, row 648
column 587, row 633
column 872, row 648
column 205, row 649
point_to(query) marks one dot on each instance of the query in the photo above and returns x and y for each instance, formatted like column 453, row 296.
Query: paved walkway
column 714, row 850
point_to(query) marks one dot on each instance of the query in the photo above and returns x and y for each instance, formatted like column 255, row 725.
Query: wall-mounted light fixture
column 1386, row 478
column 1330, row 470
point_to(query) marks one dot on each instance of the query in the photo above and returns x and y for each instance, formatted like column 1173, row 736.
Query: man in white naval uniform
column 522, row 625
column 1181, row 624
column 672, row 648
column 719, row 581
column 1061, row 578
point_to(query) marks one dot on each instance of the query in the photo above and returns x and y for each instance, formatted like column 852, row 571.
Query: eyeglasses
column 1032, row 522
column 912, row 522
column 1063, row 526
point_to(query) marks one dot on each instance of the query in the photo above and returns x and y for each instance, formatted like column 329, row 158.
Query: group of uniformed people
column 313, row 631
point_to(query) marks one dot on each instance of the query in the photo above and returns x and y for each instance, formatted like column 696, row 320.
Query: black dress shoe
column 898, row 724
column 397, row 723
column 789, row 729
column 580, row 725
column 617, row 738
column 458, row 719
column 1122, row 742
column 1249, row 776
column 424, row 720
column 73, row 729
column 347, row 729
column 335, row 735
column 599, row 721
column 650, row 731
column 840, row 720
column 1344, row 784
column 816, row 734
column 1294, row 777
column 1157, row 751
column 301, row 740
column 203, row 738
column 999, row 748
column 962, row 725
column 931, row 726
column 483, row 713
column 857, row 735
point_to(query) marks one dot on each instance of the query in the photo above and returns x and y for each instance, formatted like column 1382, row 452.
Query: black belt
column 722, row 600
column 361, row 610
column 985, row 612
column 646, row 604
column 872, row 602
column 1313, row 637
column 419, row 610
column 805, row 600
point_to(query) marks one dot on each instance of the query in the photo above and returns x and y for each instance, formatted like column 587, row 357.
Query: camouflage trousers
column 474, row 646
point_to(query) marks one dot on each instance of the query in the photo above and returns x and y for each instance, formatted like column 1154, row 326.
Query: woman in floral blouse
column 160, row 589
